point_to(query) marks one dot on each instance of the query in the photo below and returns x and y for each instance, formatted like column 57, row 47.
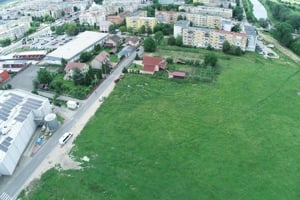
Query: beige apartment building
column 137, row 22
column 202, row 20
column 203, row 37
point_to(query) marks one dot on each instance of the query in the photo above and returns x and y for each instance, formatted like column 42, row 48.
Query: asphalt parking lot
column 24, row 79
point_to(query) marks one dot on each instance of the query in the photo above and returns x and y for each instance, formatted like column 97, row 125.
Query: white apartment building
column 216, row 11
column 14, row 29
column 94, row 15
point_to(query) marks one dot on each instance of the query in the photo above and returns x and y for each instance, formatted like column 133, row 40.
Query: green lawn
column 237, row 138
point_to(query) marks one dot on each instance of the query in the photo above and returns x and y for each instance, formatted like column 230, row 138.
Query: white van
column 64, row 139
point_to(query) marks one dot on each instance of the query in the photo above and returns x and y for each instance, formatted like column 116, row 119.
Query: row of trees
column 289, row 23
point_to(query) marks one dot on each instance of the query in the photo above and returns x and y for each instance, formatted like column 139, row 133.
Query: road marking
column 5, row 196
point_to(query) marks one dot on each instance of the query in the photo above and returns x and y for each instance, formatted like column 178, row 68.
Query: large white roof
column 80, row 43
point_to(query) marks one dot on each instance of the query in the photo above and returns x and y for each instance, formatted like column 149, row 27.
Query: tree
column 44, row 76
column 112, row 29
column 149, row 44
column 85, row 56
column 179, row 40
column 171, row 40
column 210, row 59
column 158, row 36
column 283, row 33
column 238, row 51
column 236, row 28
column 263, row 23
column 296, row 47
column 226, row 47
column 5, row 42
column 122, row 29
column 78, row 77
column 142, row 30
column 71, row 29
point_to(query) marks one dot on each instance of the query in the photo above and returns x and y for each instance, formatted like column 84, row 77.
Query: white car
column 64, row 139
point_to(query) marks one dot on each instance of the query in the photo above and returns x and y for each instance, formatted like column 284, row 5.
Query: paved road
column 10, row 186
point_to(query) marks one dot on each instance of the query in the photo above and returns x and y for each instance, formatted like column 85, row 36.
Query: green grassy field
column 237, row 138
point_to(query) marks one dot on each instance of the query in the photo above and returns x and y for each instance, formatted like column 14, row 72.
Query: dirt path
column 282, row 49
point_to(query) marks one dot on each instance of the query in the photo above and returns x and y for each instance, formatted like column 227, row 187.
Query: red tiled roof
column 74, row 65
column 178, row 74
column 102, row 56
column 231, row 33
column 148, row 60
column 4, row 75
column 149, row 68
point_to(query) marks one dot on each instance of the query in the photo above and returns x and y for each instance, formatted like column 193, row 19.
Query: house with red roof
column 72, row 66
column 4, row 76
column 153, row 64
column 101, row 59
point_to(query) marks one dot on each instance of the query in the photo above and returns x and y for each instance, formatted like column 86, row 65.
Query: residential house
column 133, row 41
column 72, row 66
column 4, row 75
column 113, row 41
column 153, row 64
column 137, row 22
column 101, row 59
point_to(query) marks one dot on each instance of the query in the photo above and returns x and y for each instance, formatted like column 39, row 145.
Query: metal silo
column 51, row 122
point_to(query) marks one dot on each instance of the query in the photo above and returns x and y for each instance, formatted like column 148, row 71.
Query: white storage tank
column 51, row 122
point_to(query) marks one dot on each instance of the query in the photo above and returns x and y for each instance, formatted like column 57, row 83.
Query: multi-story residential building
column 114, row 6
column 165, row 2
column 203, row 37
column 166, row 16
column 215, row 11
column 216, row 3
column 181, row 24
column 137, row 22
column 14, row 29
column 118, row 19
column 94, row 15
column 202, row 20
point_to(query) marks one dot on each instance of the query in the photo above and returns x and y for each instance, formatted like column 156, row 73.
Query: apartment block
column 206, row 10
column 166, row 16
column 203, row 37
column 202, row 20
column 208, row 21
column 137, row 22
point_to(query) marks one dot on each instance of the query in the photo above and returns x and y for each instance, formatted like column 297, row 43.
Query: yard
column 237, row 138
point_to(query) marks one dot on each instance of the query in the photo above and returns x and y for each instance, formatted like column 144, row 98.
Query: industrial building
column 71, row 51
column 20, row 114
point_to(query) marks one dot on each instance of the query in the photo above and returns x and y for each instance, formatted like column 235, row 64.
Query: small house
column 101, row 59
column 133, row 41
column 72, row 66
column 113, row 41
column 179, row 75
column 153, row 64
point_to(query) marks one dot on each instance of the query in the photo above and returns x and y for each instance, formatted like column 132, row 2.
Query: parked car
column 64, row 139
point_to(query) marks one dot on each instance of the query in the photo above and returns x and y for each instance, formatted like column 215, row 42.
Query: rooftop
column 77, row 45
column 15, row 107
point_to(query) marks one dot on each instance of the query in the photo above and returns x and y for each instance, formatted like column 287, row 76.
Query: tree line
column 288, row 24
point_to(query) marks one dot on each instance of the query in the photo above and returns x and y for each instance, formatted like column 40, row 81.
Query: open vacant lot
column 237, row 138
